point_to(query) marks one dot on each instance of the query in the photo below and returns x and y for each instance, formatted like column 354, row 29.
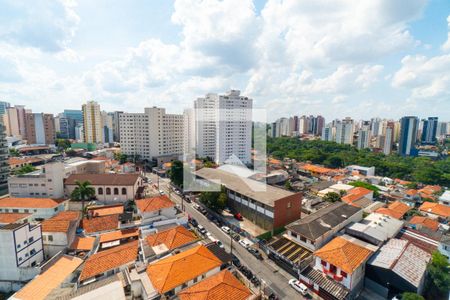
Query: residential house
column 436, row 210
column 338, row 188
column 59, row 231
column 399, row 266
column 418, row 222
column 155, row 209
column 396, row 210
column 172, row 274
column 82, row 246
column 444, row 199
column 40, row 209
column 359, row 197
column 444, row 245
column 93, row 226
column 106, row 210
column 8, row 218
column 109, row 262
column 167, row 240
column 424, row 238
column 117, row 238
column 60, row 272
column 109, row 188
column 221, row 286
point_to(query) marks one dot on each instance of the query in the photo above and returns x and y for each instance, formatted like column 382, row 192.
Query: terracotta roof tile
column 172, row 238
column 396, row 210
column 436, row 208
column 221, row 286
column 6, row 218
column 343, row 254
column 104, row 179
column 99, row 224
column 41, row 286
column 109, row 259
column 119, row 234
column 411, row 192
column 155, row 203
column 175, row 270
column 424, row 221
column 106, row 210
column 355, row 194
column 61, row 222
column 82, row 243
column 29, row 202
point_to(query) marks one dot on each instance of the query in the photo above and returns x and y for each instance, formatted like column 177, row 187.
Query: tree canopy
column 411, row 296
column 24, row 169
column 214, row 200
column 439, row 272
column 176, row 173
column 83, row 191
column 332, row 197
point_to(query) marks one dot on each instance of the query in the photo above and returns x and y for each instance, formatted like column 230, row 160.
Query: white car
column 202, row 229
column 298, row 286
column 226, row 229
column 196, row 206
column 245, row 243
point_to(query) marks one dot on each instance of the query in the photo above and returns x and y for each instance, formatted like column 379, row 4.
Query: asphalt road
column 266, row 270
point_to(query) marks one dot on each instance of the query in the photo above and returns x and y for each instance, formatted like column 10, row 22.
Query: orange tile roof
column 29, row 202
column 435, row 208
column 119, row 234
column 61, row 222
column 6, row 218
column 430, row 189
column 172, row 238
column 155, row 203
column 402, row 182
column 41, row 286
column 355, row 194
column 98, row 224
column 106, row 210
column 424, row 221
column 82, row 243
column 221, row 286
column 343, row 254
column 175, row 270
column 69, row 215
column 316, row 169
column 411, row 192
column 274, row 161
column 109, row 259
column 396, row 210
column 13, row 161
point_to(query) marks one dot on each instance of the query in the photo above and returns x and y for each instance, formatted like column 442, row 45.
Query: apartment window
column 324, row 263
column 31, row 239
column 33, row 252
column 124, row 191
column 343, row 274
column 293, row 234
column 50, row 238
column 116, row 191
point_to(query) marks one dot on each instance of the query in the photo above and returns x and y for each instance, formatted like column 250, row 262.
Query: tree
column 176, row 173
column 122, row 158
column 214, row 200
column 24, row 169
column 288, row 185
column 332, row 197
column 14, row 152
column 411, row 296
column 83, row 191
column 438, row 271
column 63, row 144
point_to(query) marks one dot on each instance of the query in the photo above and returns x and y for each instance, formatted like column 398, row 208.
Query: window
column 333, row 268
column 124, row 191
column 323, row 263
column 31, row 239
column 56, row 209
column 108, row 191
column 100, row 191
column 343, row 274
column 15, row 210
column 289, row 204
column 50, row 238
column 33, row 252
column 293, row 234
column 116, row 191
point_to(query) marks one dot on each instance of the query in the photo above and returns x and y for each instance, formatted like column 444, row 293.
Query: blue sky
column 336, row 58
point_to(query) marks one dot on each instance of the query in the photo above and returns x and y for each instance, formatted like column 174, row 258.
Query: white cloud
column 446, row 45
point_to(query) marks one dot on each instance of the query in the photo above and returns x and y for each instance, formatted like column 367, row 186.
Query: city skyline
column 398, row 63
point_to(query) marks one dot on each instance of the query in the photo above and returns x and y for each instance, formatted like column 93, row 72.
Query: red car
column 239, row 217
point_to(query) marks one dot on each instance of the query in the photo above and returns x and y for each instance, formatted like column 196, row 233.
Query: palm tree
column 83, row 191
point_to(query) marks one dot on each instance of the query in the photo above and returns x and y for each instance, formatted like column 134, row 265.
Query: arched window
column 108, row 191
column 100, row 191
column 116, row 191
column 124, row 191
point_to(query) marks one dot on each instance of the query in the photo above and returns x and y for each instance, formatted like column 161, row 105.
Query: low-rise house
column 21, row 252
column 109, row 188
column 412, row 195
column 112, row 287
column 170, row 239
column 62, row 271
column 154, row 209
column 423, row 238
column 396, row 210
column 444, row 245
column 435, row 210
column 109, row 262
column 82, row 246
column 117, row 238
column 59, row 231
column 399, row 266
column 359, row 197
column 172, row 274
column 336, row 188
column 339, row 268
column 365, row 171
column 106, row 210
column 222, row 286
column 40, row 209
column 8, row 218
column 18, row 162
column 418, row 222
column 375, row 228
column 315, row 230
column 92, row 226
column 444, row 199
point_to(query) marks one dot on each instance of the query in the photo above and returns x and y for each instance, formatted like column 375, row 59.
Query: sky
column 339, row 58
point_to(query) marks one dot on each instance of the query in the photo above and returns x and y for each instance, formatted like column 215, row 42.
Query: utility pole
column 231, row 245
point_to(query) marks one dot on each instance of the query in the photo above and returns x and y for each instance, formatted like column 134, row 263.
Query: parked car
column 245, row 243
column 236, row 261
column 202, row 210
column 161, row 192
column 298, row 286
column 226, row 229
column 193, row 222
column 220, row 244
column 238, row 217
column 255, row 253
column 196, row 206
column 202, row 229
column 235, row 236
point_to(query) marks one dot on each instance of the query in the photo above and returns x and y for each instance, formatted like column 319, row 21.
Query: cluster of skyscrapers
column 297, row 126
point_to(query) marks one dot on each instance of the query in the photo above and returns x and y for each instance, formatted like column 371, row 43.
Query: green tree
column 14, row 152
column 63, row 144
column 332, row 197
column 439, row 272
column 176, row 173
column 288, row 185
column 24, row 169
column 411, row 296
column 214, row 200
column 83, row 191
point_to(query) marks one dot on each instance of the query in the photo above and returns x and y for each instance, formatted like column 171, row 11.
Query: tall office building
column 224, row 126
column 328, row 133
column 3, row 107
column 92, row 123
column 116, row 125
column 40, row 128
column 429, row 130
column 68, row 121
column 344, row 131
column 14, row 121
column 363, row 138
column 303, row 124
column 408, row 135
column 4, row 165
column 443, row 129
column 388, row 138
column 151, row 134
column 188, row 130
column 107, row 122
column 375, row 126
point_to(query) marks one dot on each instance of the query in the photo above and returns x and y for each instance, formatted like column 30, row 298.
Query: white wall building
column 363, row 138
column 224, row 126
column 152, row 133
column 92, row 123
column 43, row 208
column 344, row 131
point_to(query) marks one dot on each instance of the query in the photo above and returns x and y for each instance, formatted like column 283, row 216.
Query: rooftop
column 396, row 210
column 100, row 211
column 253, row 189
column 343, row 254
column 29, row 203
column 6, row 218
column 61, row 222
column 378, row 226
column 153, row 204
column 436, row 209
column 50, row 279
column 175, row 270
column 99, row 224
column 356, row 194
column 109, row 259
column 119, row 234
column 82, row 243
column 424, row 221
column 221, row 286
column 317, row 224
column 172, row 238
column 104, row 179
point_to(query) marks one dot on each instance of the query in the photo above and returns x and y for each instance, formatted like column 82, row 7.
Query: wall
column 287, row 210
column 38, row 213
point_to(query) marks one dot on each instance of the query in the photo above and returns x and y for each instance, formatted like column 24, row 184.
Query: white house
column 156, row 209
column 444, row 245
column 40, row 208
column 445, row 198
